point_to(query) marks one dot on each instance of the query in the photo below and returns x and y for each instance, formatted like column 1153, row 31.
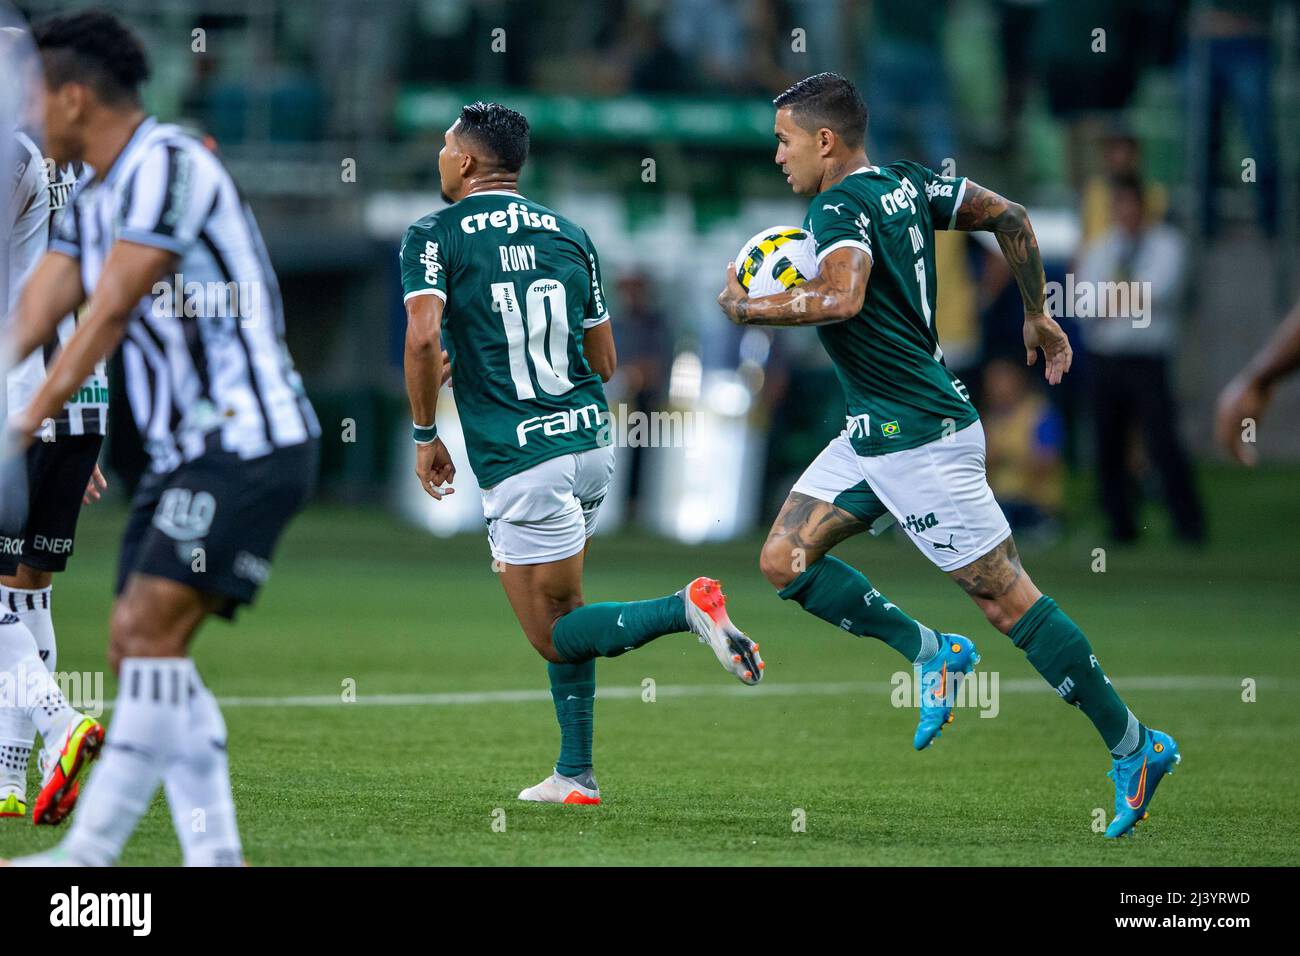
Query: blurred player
column 1248, row 395
column 231, row 436
column 59, row 467
column 513, row 290
column 913, row 446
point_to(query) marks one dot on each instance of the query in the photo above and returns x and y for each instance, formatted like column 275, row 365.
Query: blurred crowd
column 1119, row 414
column 1045, row 96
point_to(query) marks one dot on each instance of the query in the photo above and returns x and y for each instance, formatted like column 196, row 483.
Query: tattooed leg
column 795, row 561
column 999, row 585
column 805, row 530
column 1052, row 643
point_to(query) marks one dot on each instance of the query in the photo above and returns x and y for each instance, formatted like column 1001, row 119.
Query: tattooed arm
column 984, row 210
column 835, row 294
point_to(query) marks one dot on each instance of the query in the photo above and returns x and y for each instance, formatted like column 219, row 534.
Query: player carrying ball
column 512, row 290
column 913, row 446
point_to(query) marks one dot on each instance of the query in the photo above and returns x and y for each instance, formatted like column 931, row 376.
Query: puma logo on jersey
column 837, row 208
column 510, row 219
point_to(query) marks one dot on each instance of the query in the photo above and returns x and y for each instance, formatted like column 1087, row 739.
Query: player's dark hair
column 827, row 100
column 93, row 47
column 499, row 130
column 1128, row 183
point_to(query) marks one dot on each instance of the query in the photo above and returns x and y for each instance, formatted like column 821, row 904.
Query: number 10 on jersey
column 543, row 322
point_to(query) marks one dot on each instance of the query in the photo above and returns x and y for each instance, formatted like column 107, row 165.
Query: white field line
column 623, row 692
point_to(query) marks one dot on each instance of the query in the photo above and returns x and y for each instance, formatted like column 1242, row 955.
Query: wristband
column 424, row 434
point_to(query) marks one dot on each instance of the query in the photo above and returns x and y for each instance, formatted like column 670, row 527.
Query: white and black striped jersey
column 205, row 361
column 37, row 204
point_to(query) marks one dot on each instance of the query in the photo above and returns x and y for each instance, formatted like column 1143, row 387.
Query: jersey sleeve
column 169, row 199
column 840, row 220
column 596, row 313
column 424, row 263
column 942, row 193
column 29, row 188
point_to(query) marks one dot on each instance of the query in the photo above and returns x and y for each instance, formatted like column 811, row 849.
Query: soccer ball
column 776, row 259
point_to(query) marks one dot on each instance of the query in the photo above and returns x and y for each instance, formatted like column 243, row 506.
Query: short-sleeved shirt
column 898, row 392
column 205, row 360
column 39, row 196
column 520, row 285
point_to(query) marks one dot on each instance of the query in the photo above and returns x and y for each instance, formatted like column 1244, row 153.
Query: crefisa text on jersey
column 510, row 219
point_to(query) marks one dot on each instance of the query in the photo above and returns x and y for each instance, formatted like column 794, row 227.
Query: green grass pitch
column 711, row 772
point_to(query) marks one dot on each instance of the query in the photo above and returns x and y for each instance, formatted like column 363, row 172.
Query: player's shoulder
column 177, row 150
column 847, row 197
column 933, row 184
column 29, row 166
column 28, row 153
column 571, row 230
column 564, row 225
column 865, row 187
column 907, row 169
column 430, row 223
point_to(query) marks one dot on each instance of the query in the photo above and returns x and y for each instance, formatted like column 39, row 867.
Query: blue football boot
column 1136, row 778
column 939, row 677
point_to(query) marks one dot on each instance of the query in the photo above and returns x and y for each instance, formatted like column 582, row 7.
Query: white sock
column 14, row 755
column 33, row 609
column 27, row 683
column 17, row 732
column 149, row 724
column 197, row 782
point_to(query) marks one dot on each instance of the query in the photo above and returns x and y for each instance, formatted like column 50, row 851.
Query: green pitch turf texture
column 712, row 772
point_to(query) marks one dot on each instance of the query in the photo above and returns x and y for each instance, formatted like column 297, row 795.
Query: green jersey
column 887, row 357
column 520, row 285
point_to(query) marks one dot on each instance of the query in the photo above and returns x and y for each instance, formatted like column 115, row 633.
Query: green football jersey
column 520, row 285
column 898, row 391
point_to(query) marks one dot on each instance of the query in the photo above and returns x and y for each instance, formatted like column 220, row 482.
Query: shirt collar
column 142, row 130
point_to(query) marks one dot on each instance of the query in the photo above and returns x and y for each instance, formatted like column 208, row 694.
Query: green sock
column 844, row 597
column 1060, row 652
column 613, row 628
column 573, row 688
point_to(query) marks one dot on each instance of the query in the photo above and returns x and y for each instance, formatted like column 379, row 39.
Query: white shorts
column 939, row 493
column 548, row 512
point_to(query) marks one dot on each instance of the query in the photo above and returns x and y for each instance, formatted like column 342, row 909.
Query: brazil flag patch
column 890, row 429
